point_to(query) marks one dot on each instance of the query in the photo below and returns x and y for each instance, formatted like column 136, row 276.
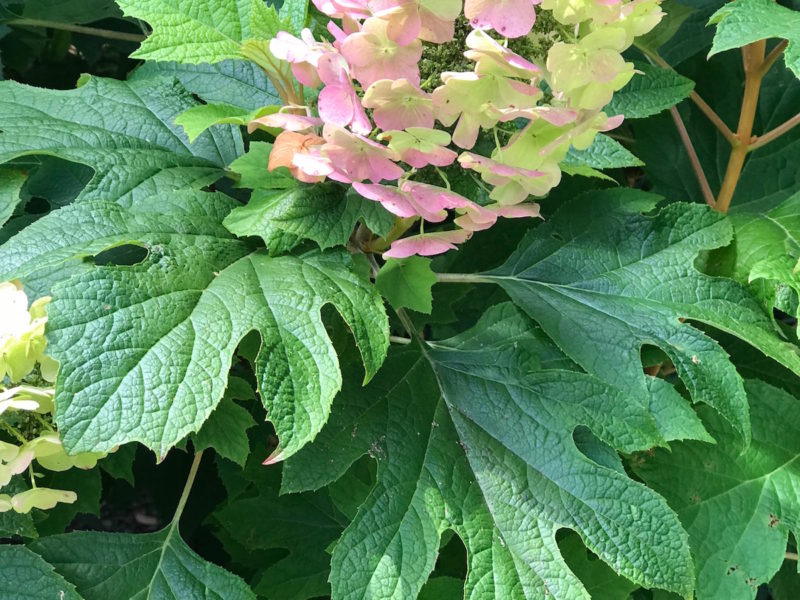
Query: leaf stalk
column 753, row 60
column 93, row 31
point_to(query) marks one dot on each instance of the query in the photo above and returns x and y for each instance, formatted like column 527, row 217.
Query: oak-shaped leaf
column 25, row 570
column 160, row 565
column 324, row 213
column 603, row 279
column 765, row 253
column 145, row 350
column 189, row 32
column 737, row 508
column 125, row 131
column 469, row 437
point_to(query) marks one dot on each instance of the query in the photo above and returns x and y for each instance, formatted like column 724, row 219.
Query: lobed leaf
column 603, row 279
column 25, row 570
column 438, row 424
column 152, row 565
column 125, row 131
column 748, row 501
column 324, row 213
column 192, row 32
column 145, row 350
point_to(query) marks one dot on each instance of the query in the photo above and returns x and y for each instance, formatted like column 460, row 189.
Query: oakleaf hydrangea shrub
column 399, row 299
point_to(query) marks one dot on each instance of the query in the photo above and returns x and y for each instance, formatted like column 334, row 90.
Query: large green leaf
column 742, row 22
column 737, row 508
column 323, row 213
column 440, row 425
column 237, row 82
column 125, row 131
column 765, row 252
column 192, row 32
column 26, row 573
column 603, row 279
column 176, row 319
column 154, row 565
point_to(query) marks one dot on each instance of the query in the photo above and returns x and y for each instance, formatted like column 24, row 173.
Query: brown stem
column 695, row 97
column 792, row 555
column 708, row 195
column 775, row 133
column 101, row 33
column 714, row 118
column 773, row 56
column 753, row 59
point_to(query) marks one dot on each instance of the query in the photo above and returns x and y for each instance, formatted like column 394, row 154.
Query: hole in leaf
column 37, row 206
column 122, row 256
column 452, row 561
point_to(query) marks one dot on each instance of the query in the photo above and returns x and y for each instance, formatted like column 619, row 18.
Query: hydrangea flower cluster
column 26, row 406
column 376, row 126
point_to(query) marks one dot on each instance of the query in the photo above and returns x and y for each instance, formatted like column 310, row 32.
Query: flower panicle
column 379, row 124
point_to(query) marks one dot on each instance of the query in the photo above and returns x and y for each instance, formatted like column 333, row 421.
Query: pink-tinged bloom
column 513, row 184
column 420, row 147
column 349, row 27
column 303, row 53
column 493, row 58
column 428, row 244
column 428, row 20
column 338, row 9
column 485, row 217
column 474, row 100
column 348, row 157
column 555, row 115
column 285, row 121
column 400, row 203
column 587, row 73
column 433, row 196
column 373, row 56
column 338, row 101
column 288, row 145
column 398, row 104
column 509, row 18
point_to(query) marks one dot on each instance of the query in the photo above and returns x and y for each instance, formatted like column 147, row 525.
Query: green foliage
column 283, row 218
column 637, row 277
column 153, row 565
column 194, row 266
column 407, row 283
column 231, row 81
column 199, row 118
column 656, row 89
column 598, row 404
column 744, row 21
column 463, row 468
column 748, row 500
column 24, row 570
column 604, row 153
column 190, row 32
column 11, row 182
column 124, row 131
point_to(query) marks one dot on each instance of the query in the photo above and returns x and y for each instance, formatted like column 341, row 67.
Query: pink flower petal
column 429, row 244
column 509, row 18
